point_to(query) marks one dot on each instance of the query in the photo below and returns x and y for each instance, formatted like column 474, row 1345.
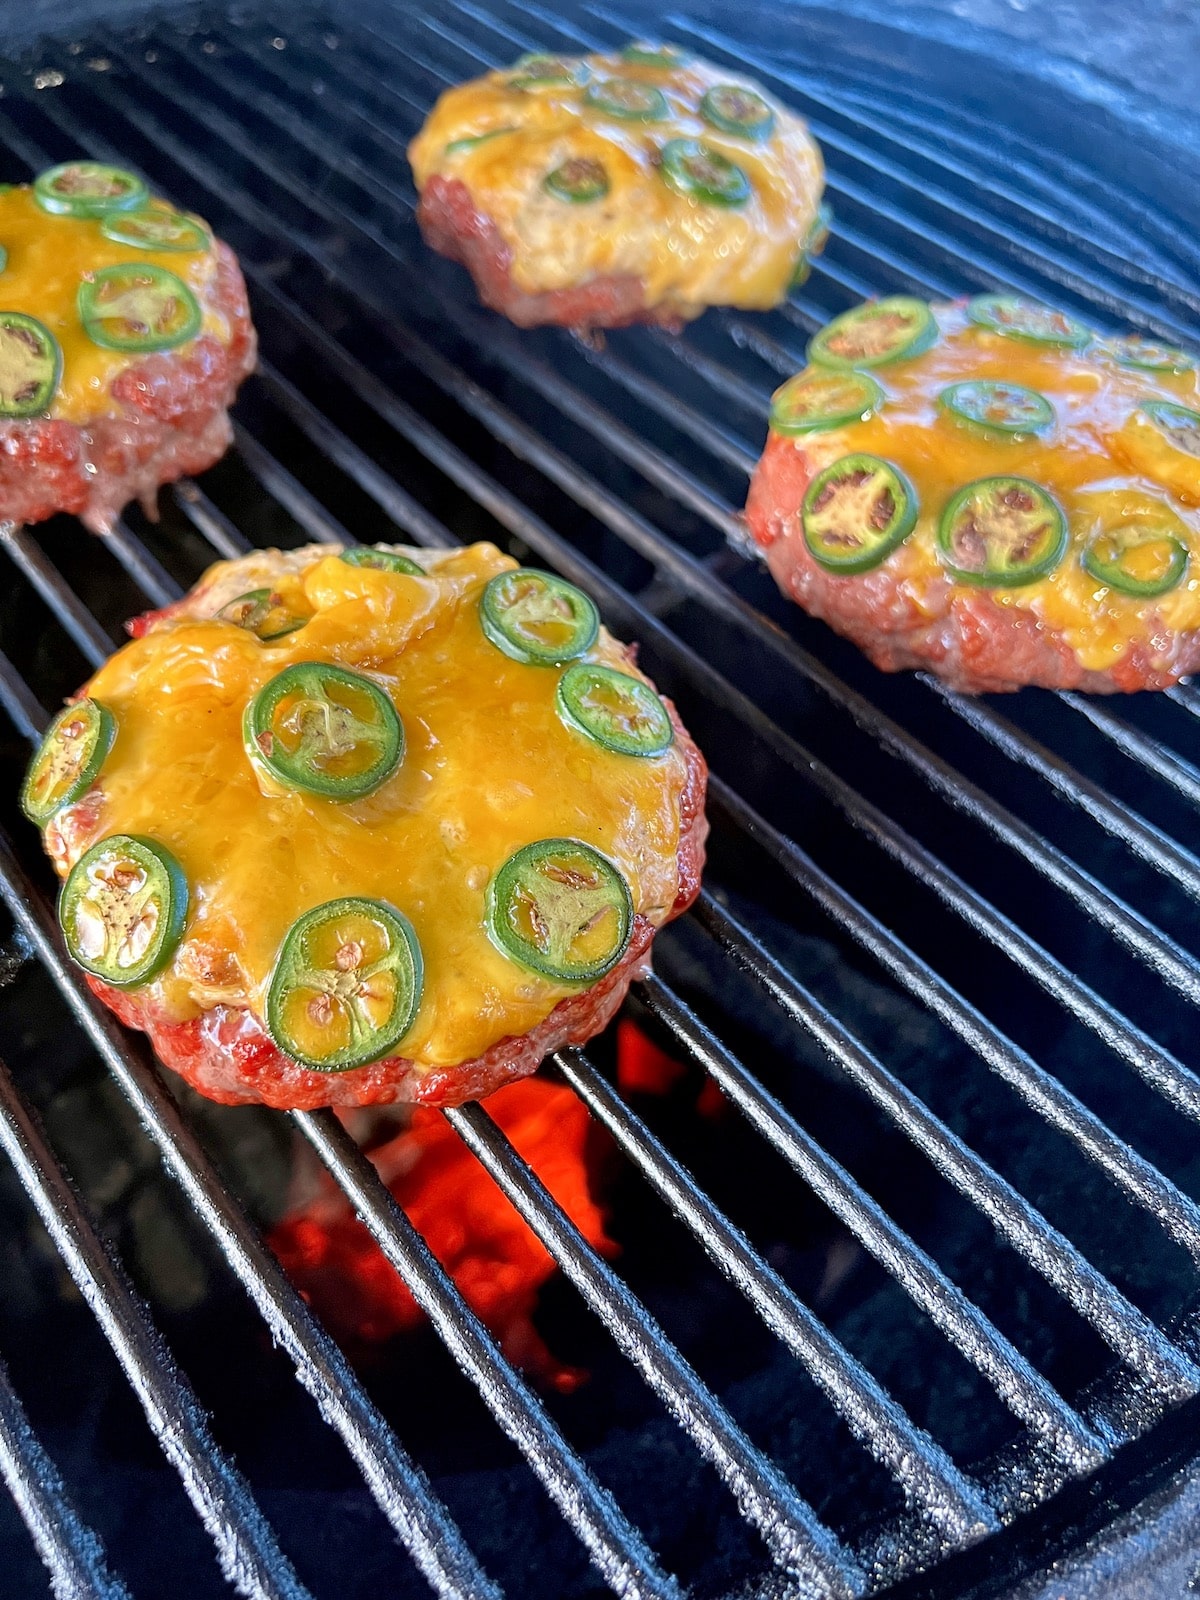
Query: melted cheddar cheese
column 688, row 253
column 49, row 257
column 1101, row 460
column 489, row 767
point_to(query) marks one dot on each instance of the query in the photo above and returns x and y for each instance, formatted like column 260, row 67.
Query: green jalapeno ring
column 617, row 710
column 815, row 241
column 578, row 181
column 1178, row 425
column 999, row 409
column 875, row 334
column 326, row 732
column 551, row 898
column 698, row 172
column 1104, row 554
column 31, row 363
column 356, row 961
column 627, row 98
column 68, row 760
column 123, row 908
column 644, row 54
column 1025, row 319
column 88, row 189
column 731, row 108
column 1014, row 514
column 856, row 512
column 154, row 228
column 137, row 306
column 253, row 611
column 816, row 400
column 1147, row 355
column 537, row 618
column 548, row 72
column 458, row 146
column 366, row 555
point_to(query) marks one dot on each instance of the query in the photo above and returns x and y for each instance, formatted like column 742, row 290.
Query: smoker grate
column 1027, row 866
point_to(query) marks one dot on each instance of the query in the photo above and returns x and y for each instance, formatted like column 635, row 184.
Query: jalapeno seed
column 1025, row 319
column 698, row 172
column 815, row 400
column 154, row 228
column 346, row 985
column 1143, row 557
column 1001, row 408
column 617, row 710
column 627, row 98
column 123, row 909
column 366, row 555
column 731, row 108
column 324, row 731
column 856, row 512
column 261, row 612
column 1002, row 533
column 578, row 181
column 88, row 189
column 562, row 909
column 872, row 335
column 137, row 306
column 30, row 365
column 68, row 760
column 537, row 618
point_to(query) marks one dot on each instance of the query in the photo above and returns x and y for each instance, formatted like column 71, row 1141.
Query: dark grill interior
column 921, row 1305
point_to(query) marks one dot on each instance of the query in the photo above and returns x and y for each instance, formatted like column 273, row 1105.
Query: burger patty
column 223, row 1047
column 1098, row 461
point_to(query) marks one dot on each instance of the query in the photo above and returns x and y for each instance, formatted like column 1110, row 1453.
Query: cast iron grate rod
column 72, row 1552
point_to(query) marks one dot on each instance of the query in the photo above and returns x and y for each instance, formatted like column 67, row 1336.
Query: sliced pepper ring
column 617, row 710
column 346, row 984
column 1002, row 533
column 1025, row 319
column 732, row 108
column 154, row 228
column 537, row 618
column 562, row 909
column 123, row 908
column 1143, row 557
column 815, row 400
column 547, row 72
column 1178, row 425
column 627, row 98
column 577, row 181
column 366, row 555
column 325, row 731
column 261, row 612
column 815, row 241
column 874, row 334
column 698, row 172
column 1132, row 350
column 644, row 54
column 68, row 760
column 459, row 146
column 30, row 365
column 1000, row 408
column 137, row 306
column 856, row 512
column 88, row 189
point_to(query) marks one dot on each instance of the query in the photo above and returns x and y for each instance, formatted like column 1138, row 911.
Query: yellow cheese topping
column 504, row 134
column 49, row 257
column 1103, row 459
column 489, row 766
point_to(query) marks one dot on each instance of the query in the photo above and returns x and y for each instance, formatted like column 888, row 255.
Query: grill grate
column 1069, row 898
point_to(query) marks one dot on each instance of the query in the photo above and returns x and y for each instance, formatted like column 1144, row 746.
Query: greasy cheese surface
column 488, row 767
column 1083, row 459
column 48, row 258
column 688, row 253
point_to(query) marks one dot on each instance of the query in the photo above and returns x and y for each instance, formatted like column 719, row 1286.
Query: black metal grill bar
column 1123, row 1327
column 245, row 1545
column 399, row 1488
column 618, row 1549
column 1020, row 1386
column 93, row 642
column 290, row 493
column 151, row 578
column 209, row 521
column 1149, row 753
column 948, row 1497
column 767, row 1500
column 72, row 1552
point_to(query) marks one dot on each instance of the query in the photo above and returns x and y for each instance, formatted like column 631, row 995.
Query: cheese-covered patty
column 647, row 169
column 315, row 735
column 990, row 489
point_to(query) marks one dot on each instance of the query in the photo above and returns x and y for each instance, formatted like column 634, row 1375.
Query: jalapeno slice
column 346, row 984
column 731, row 108
column 875, row 334
column 1148, row 355
column 137, row 306
column 30, row 365
column 1002, row 533
column 815, row 241
column 154, row 228
column 562, row 909
column 536, row 618
column 1179, row 425
column 814, row 401
column 999, row 408
column 88, row 189
column 123, row 908
column 322, row 730
column 644, row 54
column 547, row 72
column 618, row 711
column 457, row 146
column 627, row 98
column 856, row 512
column 262, row 612
column 1025, row 319
column 698, row 172
column 365, row 555
column 68, row 760
column 1143, row 557
column 579, row 180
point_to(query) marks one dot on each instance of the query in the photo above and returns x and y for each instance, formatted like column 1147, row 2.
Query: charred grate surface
column 944, row 972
